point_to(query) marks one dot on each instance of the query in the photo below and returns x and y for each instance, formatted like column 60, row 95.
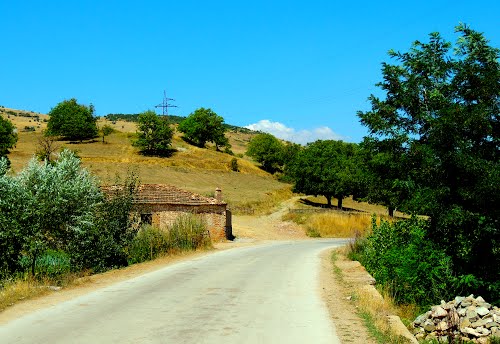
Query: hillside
column 192, row 168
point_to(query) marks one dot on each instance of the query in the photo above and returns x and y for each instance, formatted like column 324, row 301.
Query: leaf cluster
column 268, row 151
column 72, row 121
column 8, row 136
column 202, row 126
column 154, row 135
column 326, row 167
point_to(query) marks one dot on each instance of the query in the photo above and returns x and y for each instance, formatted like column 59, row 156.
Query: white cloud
column 290, row 134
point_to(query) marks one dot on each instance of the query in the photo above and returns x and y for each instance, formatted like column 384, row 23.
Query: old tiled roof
column 164, row 194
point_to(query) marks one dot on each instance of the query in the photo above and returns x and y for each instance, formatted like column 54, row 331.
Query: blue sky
column 300, row 69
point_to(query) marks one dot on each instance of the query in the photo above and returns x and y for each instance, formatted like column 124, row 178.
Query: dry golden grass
column 264, row 205
column 334, row 224
column 19, row 290
column 339, row 225
column 191, row 168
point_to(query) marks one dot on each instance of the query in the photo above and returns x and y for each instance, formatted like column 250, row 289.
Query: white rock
column 438, row 312
column 482, row 311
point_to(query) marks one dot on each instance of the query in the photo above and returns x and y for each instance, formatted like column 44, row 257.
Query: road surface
column 260, row 294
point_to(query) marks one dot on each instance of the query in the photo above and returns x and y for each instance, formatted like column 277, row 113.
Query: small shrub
column 189, row 232
column 312, row 232
column 234, row 165
column 50, row 264
column 149, row 243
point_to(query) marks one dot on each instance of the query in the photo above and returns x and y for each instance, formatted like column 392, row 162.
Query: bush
column 103, row 245
column 189, row 232
column 50, row 264
column 149, row 243
column 234, row 165
column 402, row 260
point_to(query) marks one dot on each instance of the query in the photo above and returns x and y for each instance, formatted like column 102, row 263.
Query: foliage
column 328, row 168
column 49, row 264
column 61, row 198
column 72, row 121
column 234, row 165
column 59, row 207
column 402, row 260
column 268, row 151
column 106, row 130
column 189, row 232
column 8, row 136
column 105, row 245
column 435, row 144
column 154, row 135
column 149, row 243
column 12, row 218
column 202, row 126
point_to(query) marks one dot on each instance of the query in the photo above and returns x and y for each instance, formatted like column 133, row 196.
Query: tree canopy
column 8, row 136
column 328, row 168
column 154, row 135
column 202, row 126
column 434, row 141
column 72, row 121
column 268, row 151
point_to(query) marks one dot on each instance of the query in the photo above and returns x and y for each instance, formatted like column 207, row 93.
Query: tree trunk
column 340, row 199
column 329, row 201
column 33, row 264
column 391, row 211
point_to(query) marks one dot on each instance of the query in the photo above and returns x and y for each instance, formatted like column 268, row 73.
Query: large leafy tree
column 326, row 167
column 268, row 151
column 154, row 135
column 434, row 140
column 202, row 126
column 8, row 136
column 72, row 121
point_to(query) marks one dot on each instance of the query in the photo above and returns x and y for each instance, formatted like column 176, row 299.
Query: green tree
column 72, row 121
column 438, row 126
column 268, row 151
column 327, row 168
column 8, row 136
column 202, row 126
column 106, row 130
column 154, row 135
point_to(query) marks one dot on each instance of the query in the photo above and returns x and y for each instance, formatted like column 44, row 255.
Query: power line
column 165, row 104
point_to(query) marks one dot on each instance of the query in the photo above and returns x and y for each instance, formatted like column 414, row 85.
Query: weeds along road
column 259, row 294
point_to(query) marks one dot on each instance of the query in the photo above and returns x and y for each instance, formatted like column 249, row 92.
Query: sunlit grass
column 191, row 168
column 263, row 205
column 334, row 224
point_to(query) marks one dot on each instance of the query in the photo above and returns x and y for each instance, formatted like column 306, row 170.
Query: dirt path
column 268, row 227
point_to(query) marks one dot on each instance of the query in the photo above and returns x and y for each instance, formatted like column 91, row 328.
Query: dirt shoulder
column 338, row 297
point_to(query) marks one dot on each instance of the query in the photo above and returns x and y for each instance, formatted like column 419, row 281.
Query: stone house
column 160, row 205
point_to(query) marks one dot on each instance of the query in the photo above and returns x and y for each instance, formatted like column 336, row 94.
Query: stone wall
column 164, row 215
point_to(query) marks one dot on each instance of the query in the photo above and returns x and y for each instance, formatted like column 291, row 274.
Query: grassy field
column 191, row 168
column 354, row 220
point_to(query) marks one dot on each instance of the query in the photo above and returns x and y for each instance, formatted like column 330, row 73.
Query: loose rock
column 467, row 318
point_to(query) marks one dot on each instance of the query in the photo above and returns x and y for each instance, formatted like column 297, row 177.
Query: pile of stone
column 467, row 318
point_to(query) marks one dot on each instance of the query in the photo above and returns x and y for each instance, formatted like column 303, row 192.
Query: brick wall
column 163, row 215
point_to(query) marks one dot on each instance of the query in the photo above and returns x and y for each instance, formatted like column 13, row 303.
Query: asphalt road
column 260, row 294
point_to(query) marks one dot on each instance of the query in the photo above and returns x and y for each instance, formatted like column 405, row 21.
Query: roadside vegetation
column 57, row 225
